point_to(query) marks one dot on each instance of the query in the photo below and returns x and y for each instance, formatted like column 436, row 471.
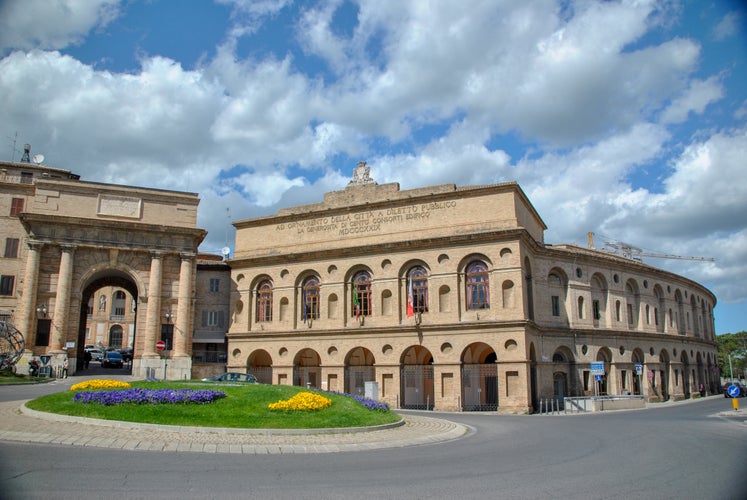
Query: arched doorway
column 604, row 355
column 259, row 364
column 307, row 371
column 479, row 378
column 564, row 373
column 664, row 366
column 100, row 321
column 637, row 359
column 359, row 369
column 416, row 376
column 533, row 396
column 686, row 383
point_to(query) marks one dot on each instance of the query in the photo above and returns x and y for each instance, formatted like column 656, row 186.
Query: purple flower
column 149, row 396
column 366, row 402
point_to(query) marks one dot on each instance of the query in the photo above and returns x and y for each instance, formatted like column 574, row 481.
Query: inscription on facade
column 372, row 221
column 120, row 206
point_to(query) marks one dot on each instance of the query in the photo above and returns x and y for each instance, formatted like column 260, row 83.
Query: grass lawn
column 245, row 406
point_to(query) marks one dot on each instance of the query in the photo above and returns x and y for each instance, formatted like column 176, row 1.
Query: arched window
column 417, row 292
column 361, row 297
column 310, row 298
column 118, row 303
column 478, row 286
column 264, row 301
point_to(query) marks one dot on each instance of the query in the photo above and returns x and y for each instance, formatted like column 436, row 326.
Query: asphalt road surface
column 690, row 450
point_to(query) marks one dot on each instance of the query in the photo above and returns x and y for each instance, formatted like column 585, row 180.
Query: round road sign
column 160, row 345
column 733, row 391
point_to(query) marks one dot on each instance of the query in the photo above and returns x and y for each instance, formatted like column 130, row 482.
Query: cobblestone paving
column 20, row 424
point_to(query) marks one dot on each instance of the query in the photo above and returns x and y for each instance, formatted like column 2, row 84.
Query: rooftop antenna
column 14, row 149
column 26, row 150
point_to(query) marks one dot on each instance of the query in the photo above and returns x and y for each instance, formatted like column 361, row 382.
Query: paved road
column 682, row 450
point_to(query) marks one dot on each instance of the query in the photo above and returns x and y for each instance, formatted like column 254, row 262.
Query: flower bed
column 149, row 396
column 365, row 402
column 99, row 384
column 303, row 401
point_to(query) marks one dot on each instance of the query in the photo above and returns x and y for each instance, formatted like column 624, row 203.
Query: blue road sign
column 597, row 368
column 733, row 391
column 598, row 377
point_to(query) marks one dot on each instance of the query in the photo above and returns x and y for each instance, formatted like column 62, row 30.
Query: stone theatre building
column 448, row 297
column 445, row 297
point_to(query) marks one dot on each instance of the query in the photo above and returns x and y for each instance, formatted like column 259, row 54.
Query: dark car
column 232, row 377
column 112, row 359
column 742, row 389
column 126, row 354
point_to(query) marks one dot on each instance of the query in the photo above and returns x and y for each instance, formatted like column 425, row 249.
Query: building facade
column 448, row 298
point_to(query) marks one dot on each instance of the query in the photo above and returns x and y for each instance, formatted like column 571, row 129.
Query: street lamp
column 169, row 316
column 42, row 310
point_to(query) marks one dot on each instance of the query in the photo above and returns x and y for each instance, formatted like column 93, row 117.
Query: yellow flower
column 96, row 384
column 302, row 401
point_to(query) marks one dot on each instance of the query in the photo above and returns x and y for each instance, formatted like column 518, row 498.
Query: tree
column 734, row 344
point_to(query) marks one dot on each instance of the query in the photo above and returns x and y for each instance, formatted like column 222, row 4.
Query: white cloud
column 728, row 26
column 43, row 24
column 695, row 99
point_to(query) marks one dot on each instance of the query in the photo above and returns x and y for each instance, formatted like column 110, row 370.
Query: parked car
column 232, row 377
column 96, row 354
column 112, row 359
column 742, row 389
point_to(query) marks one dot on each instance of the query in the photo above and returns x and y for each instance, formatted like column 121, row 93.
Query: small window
column 43, row 327
column 555, row 299
column 16, row 206
column 580, row 308
column 167, row 335
column 212, row 318
column 11, row 248
column 6, row 285
column 617, row 310
column 27, row 178
column 215, row 284
column 595, row 310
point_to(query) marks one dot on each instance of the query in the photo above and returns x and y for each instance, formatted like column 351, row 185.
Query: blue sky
column 624, row 118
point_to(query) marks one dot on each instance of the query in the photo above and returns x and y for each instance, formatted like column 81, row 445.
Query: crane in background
column 630, row 252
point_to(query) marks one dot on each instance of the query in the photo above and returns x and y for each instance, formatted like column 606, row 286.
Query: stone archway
column 259, row 364
column 479, row 378
column 359, row 369
column 143, row 240
column 416, row 377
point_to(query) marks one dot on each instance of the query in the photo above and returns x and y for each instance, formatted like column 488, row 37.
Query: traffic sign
column 638, row 368
column 733, row 391
column 597, row 368
column 160, row 345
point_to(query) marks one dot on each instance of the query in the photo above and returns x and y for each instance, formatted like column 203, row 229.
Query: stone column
column 26, row 322
column 182, row 334
column 153, row 311
column 62, row 299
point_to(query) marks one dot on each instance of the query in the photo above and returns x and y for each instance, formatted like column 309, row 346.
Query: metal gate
column 356, row 378
column 307, row 376
column 263, row 374
column 480, row 387
column 417, row 387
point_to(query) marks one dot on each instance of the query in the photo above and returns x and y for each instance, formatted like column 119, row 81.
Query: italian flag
column 410, row 301
column 356, row 302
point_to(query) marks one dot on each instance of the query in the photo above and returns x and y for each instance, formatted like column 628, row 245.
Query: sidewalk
column 20, row 424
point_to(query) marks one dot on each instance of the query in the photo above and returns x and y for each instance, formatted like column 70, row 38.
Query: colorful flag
column 410, row 304
column 356, row 302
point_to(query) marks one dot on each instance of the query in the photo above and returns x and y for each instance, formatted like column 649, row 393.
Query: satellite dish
column 37, row 158
column 225, row 251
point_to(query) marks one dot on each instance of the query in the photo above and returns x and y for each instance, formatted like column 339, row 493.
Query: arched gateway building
column 448, row 298
column 66, row 239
